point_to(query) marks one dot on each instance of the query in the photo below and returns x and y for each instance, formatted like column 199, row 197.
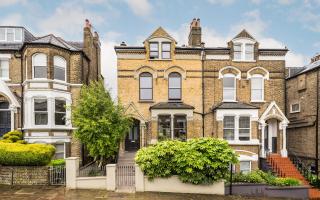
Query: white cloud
column 5, row 3
column 285, row 2
column 68, row 20
column 222, row 2
column 11, row 20
column 140, row 8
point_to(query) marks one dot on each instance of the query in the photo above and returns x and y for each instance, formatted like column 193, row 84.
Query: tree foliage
column 100, row 122
column 197, row 161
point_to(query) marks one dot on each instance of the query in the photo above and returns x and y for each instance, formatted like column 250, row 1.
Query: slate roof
column 234, row 105
column 57, row 41
column 171, row 105
column 244, row 34
column 307, row 68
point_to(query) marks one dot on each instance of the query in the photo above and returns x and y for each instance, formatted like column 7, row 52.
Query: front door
column 132, row 142
column 5, row 122
column 272, row 135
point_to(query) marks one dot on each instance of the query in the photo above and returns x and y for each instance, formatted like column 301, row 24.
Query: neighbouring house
column 236, row 92
column 302, row 98
column 40, row 78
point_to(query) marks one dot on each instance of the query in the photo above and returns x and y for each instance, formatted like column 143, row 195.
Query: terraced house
column 40, row 79
column 236, row 92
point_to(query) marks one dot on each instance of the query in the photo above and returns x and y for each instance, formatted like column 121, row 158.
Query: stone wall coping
column 91, row 178
column 72, row 158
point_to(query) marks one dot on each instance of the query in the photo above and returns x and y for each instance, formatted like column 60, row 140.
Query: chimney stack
column 315, row 58
column 195, row 33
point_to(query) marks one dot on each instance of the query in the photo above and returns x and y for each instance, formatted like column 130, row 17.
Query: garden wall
column 24, row 175
column 173, row 184
column 263, row 190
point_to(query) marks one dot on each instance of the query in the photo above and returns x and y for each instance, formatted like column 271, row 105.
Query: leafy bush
column 314, row 181
column 259, row 176
column 57, row 162
column 15, row 154
column 197, row 161
column 13, row 136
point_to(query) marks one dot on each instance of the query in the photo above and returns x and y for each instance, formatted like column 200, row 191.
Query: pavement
column 60, row 193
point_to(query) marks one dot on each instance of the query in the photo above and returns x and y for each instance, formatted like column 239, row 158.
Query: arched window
column 229, row 87
column 257, row 88
column 59, row 68
column 174, row 86
column 39, row 65
column 145, row 84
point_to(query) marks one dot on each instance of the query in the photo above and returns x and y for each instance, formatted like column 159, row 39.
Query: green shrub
column 12, row 137
column 57, row 162
column 252, row 177
column 197, row 161
column 286, row 182
column 15, row 154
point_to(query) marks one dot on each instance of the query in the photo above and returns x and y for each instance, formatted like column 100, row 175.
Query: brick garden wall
column 24, row 175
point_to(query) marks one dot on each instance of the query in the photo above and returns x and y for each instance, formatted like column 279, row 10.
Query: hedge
column 14, row 136
column 57, row 162
column 15, row 154
column 197, row 161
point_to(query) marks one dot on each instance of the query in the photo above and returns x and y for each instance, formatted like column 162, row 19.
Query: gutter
column 317, row 128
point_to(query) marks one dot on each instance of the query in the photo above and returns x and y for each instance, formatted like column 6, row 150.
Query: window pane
column 180, row 127
column 59, row 73
column 39, row 60
column 60, row 112
column 2, row 34
column 174, row 82
column 40, row 105
column 154, row 54
column 237, row 47
column 18, row 34
column 4, row 68
column 228, row 94
column 166, row 46
column 245, row 166
column 41, row 118
column 10, row 35
column 164, row 127
column 60, row 118
column 244, row 122
column 295, row 107
column 166, row 55
column 60, row 105
column 174, row 94
column 154, row 46
column 145, row 82
column 249, row 56
column 228, row 122
column 145, row 94
column 228, row 82
column 237, row 55
column 228, row 134
column 40, row 71
column 256, row 83
column 249, row 48
column 257, row 95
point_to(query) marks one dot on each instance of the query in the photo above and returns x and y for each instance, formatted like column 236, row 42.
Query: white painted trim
column 234, row 86
column 248, row 142
column 238, row 76
column 272, row 58
column 178, row 69
column 143, row 69
column 187, row 112
column 5, row 56
column 266, row 76
column 217, row 57
column 297, row 111
column 243, row 42
column 262, row 79
column 253, row 113
column 33, row 61
column 264, row 116
column 64, row 66
column 4, row 90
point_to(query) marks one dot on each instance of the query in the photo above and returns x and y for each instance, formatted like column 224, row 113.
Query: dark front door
column 5, row 122
column 132, row 142
column 274, row 144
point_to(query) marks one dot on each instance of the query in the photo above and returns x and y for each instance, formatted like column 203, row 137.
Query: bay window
column 145, row 86
column 180, row 127
column 39, row 65
column 59, row 68
column 257, row 88
column 172, row 127
column 40, row 111
column 236, row 128
column 60, row 112
column 244, row 128
column 229, row 87
column 174, row 86
column 245, row 167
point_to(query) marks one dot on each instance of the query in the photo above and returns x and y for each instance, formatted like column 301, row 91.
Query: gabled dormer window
column 243, row 51
column 154, row 50
column 237, row 51
column 11, row 34
column 249, row 52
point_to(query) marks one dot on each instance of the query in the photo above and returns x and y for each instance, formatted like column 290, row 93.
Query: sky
column 294, row 24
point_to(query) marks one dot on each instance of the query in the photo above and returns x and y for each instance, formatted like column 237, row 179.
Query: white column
column 263, row 152
column 111, row 177
column 13, row 110
column 172, row 118
column 139, row 179
column 284, row 152
column 270, row 133
column 142, row 135
column 72, row 167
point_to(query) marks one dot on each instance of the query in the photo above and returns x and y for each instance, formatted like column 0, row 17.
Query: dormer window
column 237, row 51
column 249, row 52
column 10, row 34
column 154, row 50
column 166, row 50
column 243, row 52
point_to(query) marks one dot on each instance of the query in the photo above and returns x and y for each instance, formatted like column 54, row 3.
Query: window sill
column 5, row 79
column 257, row 101
column 230, row 101
column 158, row 59
column 244, row 60
column 293, row 112
column 145, row 101
column 248, row 142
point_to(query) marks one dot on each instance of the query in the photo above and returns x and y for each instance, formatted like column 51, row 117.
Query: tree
column 101, row 123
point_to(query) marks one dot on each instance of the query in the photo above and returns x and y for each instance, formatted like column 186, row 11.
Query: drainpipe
column 202, row 77
column 22, row 94
column 317, row 128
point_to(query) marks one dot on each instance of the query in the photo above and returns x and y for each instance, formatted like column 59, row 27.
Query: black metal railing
column 307, row 170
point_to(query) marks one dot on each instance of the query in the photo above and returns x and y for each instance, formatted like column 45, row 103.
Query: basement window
column 294, row 108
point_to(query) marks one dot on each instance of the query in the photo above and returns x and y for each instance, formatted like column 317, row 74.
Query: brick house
column 40, row 78
column 302, row 98
column 182, row 92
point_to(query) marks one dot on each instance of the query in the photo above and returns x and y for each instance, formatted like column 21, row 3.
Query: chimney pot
column 87, row 23
column 123, row 44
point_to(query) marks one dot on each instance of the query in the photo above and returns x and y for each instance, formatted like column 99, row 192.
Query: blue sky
column 274, row 23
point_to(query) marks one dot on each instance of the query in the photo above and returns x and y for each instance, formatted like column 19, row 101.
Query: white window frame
column 241, row 51
column 236, row 127
column 33, row 56
column 14, row 34
column 5, row 35
column 294, row 111
column 235, row 88
column 262, row 84
column 5, row 59
column 65, row 68
column 243, row 43
column 34, row 113
column 250, row 165
column 64, row 148
column 13, row 31
column 54, row 112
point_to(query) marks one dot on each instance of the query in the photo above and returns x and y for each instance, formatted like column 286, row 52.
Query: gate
column 125, row 176
column 57, row 175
